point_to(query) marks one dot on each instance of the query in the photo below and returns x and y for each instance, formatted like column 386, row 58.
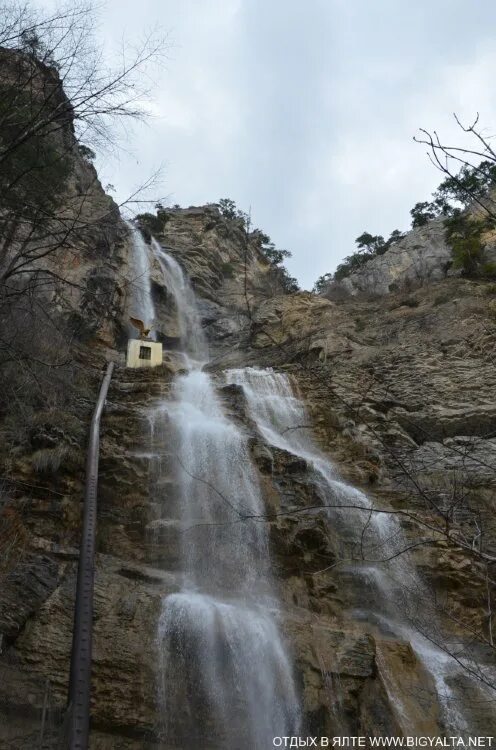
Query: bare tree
column 56, row 89
column 478, row 158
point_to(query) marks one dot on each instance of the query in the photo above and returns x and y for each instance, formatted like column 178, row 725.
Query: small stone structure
column 143, row 353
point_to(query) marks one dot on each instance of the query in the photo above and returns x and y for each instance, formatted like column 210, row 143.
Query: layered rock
column 401, row 392
column 224, row 263
column 400, row 395
column 420, row 257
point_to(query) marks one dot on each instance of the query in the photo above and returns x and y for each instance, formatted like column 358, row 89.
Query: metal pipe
column 80, row 677
column 46, row 703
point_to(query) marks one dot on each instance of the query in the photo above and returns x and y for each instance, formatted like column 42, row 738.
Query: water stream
column 282, row 421
column 225, row 677
column 141, row 301
column 393, row 586
column 193, row 344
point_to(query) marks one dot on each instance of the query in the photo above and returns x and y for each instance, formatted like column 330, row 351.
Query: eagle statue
column 144, row 331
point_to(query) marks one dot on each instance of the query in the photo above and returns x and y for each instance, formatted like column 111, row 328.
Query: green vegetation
column 275, row 256
column 153, row 223
column 409, row 302
column 34, row 170
column 369, row 246
column 228, row 209
column 86, row 153
column 227, row 270
column 457, row 192
column 464, row 234
column 237, row 220
column 451, row 203
column 323, row 282
column 422, row 213
column 55, row 86
column 233, row 214
column 442, row 299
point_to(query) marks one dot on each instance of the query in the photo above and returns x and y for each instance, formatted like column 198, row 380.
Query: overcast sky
column 305, row 111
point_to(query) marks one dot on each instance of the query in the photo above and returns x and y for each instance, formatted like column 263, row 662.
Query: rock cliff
column 420, row 257
column 397, row 397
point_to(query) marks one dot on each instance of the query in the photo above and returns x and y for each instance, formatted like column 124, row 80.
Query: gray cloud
column 306, row 112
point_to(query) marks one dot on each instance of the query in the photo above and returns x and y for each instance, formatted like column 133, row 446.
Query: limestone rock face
column 421, row 256
column 77, row 239
column 399, row 395
column 224, row 264
column 216, row 253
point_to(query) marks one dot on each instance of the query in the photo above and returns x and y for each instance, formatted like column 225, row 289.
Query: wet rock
column 387, row 384
column 24, row 590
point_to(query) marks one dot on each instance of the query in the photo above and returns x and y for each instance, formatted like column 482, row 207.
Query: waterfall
column 391, row 588
column 240, row 687
column 225, row 677
column 218, row 487
column 282, row 421
column 193, row 343
column 141, row 306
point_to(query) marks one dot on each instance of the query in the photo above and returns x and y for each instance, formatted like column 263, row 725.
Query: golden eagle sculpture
column 144, row 331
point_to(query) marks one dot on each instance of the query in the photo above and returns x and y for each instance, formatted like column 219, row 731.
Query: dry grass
column 13, row 538
column 49, row 460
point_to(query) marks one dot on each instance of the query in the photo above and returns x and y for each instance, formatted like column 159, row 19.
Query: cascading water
column 282, row 422
column 218, row 487
column 193, row 344
column 225, row 678
column 141, row 306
